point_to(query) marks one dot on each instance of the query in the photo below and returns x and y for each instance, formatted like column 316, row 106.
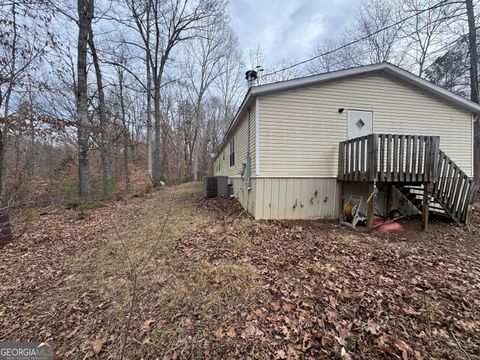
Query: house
column 296, row 149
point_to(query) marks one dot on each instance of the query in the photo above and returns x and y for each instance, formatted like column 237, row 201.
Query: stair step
column 452, row 191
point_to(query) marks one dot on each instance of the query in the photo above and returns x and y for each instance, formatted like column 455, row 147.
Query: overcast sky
column 289, row 29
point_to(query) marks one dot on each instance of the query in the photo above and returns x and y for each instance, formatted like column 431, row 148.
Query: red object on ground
column 393, row 227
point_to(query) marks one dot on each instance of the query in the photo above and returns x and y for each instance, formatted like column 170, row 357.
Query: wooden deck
column 400, row 160
column 389, row 158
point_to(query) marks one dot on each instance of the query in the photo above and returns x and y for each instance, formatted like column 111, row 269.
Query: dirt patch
column 222, row 285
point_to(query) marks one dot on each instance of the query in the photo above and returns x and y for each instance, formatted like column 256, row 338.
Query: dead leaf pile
column 226, row 286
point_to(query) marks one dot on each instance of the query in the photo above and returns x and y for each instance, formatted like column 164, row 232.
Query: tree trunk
column 105, row 155
column 30, row 161
column 472, row 47
column 157, row 169
column 2, row 165
column 125, row 133
column 85, row 12
column 149, row 123
column 195, row 158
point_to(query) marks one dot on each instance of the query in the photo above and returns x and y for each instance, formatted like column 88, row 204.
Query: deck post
column 340, row 213
column 425, row 208
column 370, row 206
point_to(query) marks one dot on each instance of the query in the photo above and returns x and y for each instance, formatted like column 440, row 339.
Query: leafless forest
column 100, row 98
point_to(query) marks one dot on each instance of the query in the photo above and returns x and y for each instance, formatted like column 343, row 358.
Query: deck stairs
column 414, row 194
column 453, row 191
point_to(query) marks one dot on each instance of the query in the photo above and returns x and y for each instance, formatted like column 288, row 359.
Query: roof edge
column 339, row 74
column 241, row 109
column 385, row 67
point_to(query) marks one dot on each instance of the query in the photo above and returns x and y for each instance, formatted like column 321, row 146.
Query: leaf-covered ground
column 221, row 285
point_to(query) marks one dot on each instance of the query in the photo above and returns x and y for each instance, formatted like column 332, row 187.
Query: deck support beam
column 427, row 188
column 342, row 201
column 370, row 206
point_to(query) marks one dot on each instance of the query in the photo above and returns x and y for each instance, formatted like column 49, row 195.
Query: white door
column 359, row 123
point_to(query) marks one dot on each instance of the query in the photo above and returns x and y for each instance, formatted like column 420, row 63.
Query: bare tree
column 374, row 16
column 102, row 114
column 85, row 16
column 328, row 59
column 124, row 123
column 173, row 22
column 204, row 63
column 424, row 31
column 472, row 47
column 24, row 38
column 230, row 83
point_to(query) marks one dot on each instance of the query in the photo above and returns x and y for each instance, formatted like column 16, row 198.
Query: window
column 360, row 123
column 232, row 152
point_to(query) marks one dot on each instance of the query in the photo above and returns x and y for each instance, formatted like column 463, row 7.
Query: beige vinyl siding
column 296, row 198
column 221, row 165
column 240, row 134
column 299, row 130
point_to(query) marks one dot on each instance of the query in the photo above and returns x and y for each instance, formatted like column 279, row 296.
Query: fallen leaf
column 252, row 330
column 146, row 324
column 275, row 305
column 373, row 328
column 410, row 311
column 333, row 302
column 306, row 343
column 219, row 334
column 327, row 341
column 97, row 345
column 280, row 354
column 231, row 332
column 403, row 346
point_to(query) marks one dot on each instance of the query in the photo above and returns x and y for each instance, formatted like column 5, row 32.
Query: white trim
column 257, row 136
column 473, row 146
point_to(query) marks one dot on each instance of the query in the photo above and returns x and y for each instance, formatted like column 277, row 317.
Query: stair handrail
column 454, row 190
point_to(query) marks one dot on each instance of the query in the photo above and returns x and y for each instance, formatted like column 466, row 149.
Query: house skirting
column 288, row 197
column 303, row 197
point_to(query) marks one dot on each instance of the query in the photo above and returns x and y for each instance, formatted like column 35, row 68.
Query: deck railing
column 453, row 188
column 388, row 157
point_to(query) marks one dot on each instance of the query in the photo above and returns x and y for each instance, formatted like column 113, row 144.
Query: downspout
column 247, row 169
column 247, row 165
column 475, row 146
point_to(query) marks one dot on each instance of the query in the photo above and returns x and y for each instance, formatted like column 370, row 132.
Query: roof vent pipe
column 252, row 76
